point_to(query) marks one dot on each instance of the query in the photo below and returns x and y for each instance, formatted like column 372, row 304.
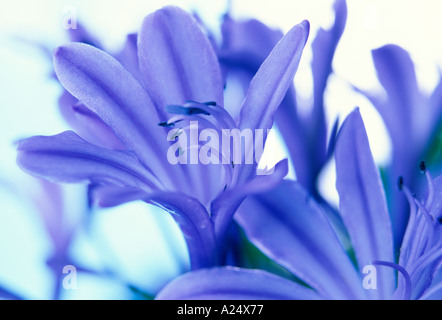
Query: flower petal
column 229, row 283
column 246, row 44
column 107, row 196
column 225, row 205
column 87, row 124
column 68, row 158
column 291, row 228
column 177, row 61
column 102, row 84
column 273, row 78
column 323, row 48
column 362, row 202
column 195, row 223
column 128, row 56
column 396, row 73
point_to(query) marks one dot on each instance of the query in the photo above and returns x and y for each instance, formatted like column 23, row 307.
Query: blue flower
column 245, row 46
column 291, row 228
column 177, row 64
column 413, row 121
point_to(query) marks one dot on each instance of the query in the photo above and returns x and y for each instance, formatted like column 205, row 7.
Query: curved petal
column 68, row 158
column 396, row 73
column 195, row 223
column 102, row 84
column 229, row 283
column 225, row 205
column 292, row 229
column 107, row 196
column 362, row 201
column 323, row 49
column 246, row 44
column 192, row 218
column 177, row 61
column 271, row 82
column 87, row 124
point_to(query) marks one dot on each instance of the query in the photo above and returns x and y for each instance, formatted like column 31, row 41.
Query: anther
column 166, row 124
column 400, row 183
column 422, row 167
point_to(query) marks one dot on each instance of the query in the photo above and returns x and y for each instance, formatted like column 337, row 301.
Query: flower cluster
column 133, row 111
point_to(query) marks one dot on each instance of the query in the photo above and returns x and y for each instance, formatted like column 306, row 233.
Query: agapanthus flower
column 246, row 44
column 180, row 73
column 291, row 228
column 413, row 120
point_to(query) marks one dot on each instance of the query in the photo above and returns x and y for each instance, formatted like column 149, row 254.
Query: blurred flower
column 8, row 295
column 413, row 121
column 177, row 65
column 290, row 227
column 245, row 46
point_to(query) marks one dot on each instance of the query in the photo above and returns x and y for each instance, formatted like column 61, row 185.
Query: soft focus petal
column 68, row 158
column 230, row 283
column 273, row 78
column 362, row 201
column 128, row 56
column 246, row 44
column 195, row 223
column 396, row 73
column 323, row 48
column 177, row 61
column 291, row 228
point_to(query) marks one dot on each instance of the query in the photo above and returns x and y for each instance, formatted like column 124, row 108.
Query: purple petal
column 273, row 78
column 113, row 94
column 396, row 73
column 111, row 196
column 224, row 207
column 128, row 56
column 68, row 158
column 50, row 203
column 87, row 124
column 306, row 139
column 177, row 61
column 323, row 48
column 229, row 283
column 189, row 214
column 362, row 203
column 195, row 223
column 291, row 228
column 246, row 44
